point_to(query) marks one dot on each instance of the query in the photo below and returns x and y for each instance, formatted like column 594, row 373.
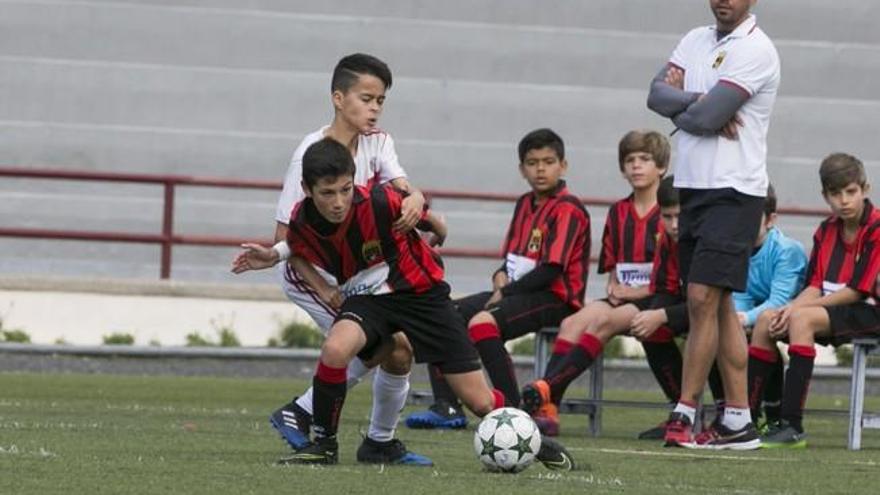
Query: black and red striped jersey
column 629, row 241
column 556, row 231
column 364, row 253
column 835, row 263
column 665, row 276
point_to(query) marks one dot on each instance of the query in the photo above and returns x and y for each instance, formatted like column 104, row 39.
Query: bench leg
column 857, row 397
column 596, row 389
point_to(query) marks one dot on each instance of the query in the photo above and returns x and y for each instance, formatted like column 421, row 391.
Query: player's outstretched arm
column 254, row 257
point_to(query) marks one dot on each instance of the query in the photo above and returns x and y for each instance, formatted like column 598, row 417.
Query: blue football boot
column 293, row 423
column 441, row 414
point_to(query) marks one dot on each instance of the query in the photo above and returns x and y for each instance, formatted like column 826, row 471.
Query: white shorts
column 300, row 294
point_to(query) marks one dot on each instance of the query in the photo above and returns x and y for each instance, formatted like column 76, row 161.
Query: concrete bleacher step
column 841, row 20
column 459, row 111
column 300, row 42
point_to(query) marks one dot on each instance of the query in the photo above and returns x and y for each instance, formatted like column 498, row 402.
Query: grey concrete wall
column 227, row 88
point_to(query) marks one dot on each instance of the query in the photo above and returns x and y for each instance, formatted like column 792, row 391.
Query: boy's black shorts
column 436, row 331
column 851, row 321
column 717, row 232
column 518, row 314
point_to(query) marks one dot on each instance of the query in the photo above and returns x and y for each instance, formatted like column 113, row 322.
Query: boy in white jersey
column 358, row 93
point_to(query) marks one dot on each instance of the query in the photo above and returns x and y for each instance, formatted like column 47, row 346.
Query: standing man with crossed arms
column 718, row 88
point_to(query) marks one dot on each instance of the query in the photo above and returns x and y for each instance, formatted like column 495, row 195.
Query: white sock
column 389, row 397
column 736, row 418
column 690, row 412
column 356, row 371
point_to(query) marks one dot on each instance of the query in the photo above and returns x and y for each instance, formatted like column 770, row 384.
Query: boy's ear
column 564, row 165
column 336, row 98
column 867, row 187
column 522, row 170
column 771, row 219
column 305, row 188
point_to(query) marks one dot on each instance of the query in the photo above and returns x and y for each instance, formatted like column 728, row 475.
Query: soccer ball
column 507, row 440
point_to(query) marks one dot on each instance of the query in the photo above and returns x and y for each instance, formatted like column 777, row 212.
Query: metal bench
column 858, row 419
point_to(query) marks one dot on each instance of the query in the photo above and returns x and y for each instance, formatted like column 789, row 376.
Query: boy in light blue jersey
column 776, row 274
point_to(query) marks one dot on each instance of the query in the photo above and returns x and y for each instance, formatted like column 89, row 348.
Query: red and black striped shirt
column 835, row 263
column 628, row 238
column 554, row 232
column 367, row 240
column 665, row 277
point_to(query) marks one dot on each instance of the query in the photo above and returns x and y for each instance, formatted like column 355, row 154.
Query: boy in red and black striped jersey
column 655, row 320
column 391, row 281
column 628, row 245
column 838, row 302
column 542, row 280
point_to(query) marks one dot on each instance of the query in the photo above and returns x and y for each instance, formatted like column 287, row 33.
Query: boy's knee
column 335, row 353
column 571, row 328
column 399, row 361
column 482, row 317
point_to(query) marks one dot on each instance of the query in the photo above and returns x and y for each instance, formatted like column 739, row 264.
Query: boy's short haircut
column 326, row 158
column 541, row 138
column 667, row 194
column 770, row 201
column 651, row 142
column 839, row 170
column 351, row 67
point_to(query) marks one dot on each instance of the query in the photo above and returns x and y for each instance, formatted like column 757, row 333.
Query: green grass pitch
column 89, row 434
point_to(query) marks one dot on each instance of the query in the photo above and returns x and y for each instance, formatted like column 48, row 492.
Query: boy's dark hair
column 541, row 138
column 326, row 158
column 770, row 201
column 667, row 194
column 839, row 170
column 351, row 67
column 651, row 142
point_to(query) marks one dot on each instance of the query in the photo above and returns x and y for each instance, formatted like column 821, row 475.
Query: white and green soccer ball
column 507, row 440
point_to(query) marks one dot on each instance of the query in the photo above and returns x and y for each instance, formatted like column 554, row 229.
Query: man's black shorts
column 436, row 331
column 717, row 232
column 517, row 314
column 851, row 321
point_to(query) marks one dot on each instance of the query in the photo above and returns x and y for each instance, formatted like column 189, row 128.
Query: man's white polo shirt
column 747, row 60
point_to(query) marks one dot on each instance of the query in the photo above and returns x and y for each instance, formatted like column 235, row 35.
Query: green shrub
column 300, row 335
column 227, row 337
column 18, row 336
column 119, row 338
column 195, row 339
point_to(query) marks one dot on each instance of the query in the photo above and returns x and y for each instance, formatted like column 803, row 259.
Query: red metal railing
column 168, row 238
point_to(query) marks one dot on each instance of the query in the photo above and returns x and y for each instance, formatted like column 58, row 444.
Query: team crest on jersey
column 535, row 240
column 371, row 251
column 719, row 59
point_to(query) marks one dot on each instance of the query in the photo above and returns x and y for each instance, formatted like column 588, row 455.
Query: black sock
column 578, row 360
column 561, row 348
column 553, row 364
column 772, row 403
column 665, row 361
column 496, row 360
column 762, row 363
column 797, row 384
column 329, row 387
column 441, row 389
